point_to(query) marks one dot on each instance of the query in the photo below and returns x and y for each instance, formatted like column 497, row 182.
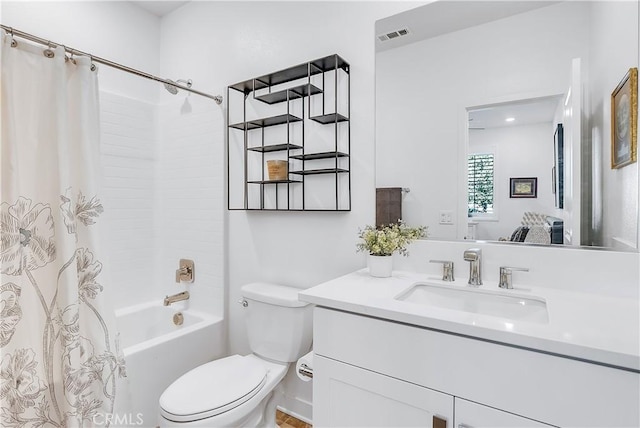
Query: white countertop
column 590, row 327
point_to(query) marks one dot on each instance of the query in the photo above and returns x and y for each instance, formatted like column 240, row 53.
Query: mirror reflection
column 444, row 92
column 511, row 165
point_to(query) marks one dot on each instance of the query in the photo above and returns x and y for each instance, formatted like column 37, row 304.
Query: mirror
column 443, row 68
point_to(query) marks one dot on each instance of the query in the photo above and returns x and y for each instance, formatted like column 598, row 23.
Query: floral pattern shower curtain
column 60, row 362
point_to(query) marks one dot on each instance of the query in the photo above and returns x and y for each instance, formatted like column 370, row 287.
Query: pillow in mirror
column 538, row 235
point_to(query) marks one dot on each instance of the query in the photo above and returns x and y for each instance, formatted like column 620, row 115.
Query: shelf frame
column 297, row 152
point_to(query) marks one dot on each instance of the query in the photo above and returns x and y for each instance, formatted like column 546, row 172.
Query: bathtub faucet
column 176, row 298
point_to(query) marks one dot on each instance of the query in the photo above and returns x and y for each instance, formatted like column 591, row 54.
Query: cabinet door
column 348, row 396
column 472, row 415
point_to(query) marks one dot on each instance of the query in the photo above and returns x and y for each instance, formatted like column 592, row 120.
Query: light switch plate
column 446, row 217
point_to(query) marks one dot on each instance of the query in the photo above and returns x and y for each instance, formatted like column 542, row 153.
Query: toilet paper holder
column 305, row 370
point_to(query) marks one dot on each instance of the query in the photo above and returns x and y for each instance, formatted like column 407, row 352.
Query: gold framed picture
column 624, row 121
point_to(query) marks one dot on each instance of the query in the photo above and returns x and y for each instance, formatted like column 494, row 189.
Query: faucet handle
column 447, row 269
column 506, row 276
column 510, row 268
column 185, row 271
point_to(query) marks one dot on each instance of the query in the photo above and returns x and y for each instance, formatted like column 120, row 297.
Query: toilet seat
column 213, row 388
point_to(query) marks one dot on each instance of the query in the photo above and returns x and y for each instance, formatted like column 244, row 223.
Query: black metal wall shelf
column 273, row 181
column 329, row 118
column 320, row 171
column 290, row 209
column 275, row 148
column 328, row 73
column 289, row 94
column 316, row 156
column 267, row 121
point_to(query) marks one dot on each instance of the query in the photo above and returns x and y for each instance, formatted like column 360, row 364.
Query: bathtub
column 157, row 352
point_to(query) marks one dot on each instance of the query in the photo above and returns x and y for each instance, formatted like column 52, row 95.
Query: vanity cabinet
column 300, row 116
column 374, row 372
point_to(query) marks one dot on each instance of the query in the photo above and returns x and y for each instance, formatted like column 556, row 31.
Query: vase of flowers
column 381, row 242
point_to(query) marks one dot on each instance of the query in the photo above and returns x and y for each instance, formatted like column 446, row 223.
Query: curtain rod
column 49, row 43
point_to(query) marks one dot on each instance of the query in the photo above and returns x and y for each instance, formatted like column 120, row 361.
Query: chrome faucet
column 176, row 298
column 474, row 257
column 506, row 273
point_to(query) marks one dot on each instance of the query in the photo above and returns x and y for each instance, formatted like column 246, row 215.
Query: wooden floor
column 286, row 421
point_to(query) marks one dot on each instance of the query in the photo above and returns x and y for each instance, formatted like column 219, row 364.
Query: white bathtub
column 157, row 352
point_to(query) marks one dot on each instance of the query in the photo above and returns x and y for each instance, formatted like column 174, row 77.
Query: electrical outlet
column 446, row 217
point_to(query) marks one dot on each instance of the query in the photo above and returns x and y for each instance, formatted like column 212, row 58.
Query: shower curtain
column 61, row 365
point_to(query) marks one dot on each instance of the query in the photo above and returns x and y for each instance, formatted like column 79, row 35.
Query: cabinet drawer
column 348, row 396
column 474, row 415
column 554, row 390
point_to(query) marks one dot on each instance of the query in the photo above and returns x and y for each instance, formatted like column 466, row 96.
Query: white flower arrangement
column 385, row 240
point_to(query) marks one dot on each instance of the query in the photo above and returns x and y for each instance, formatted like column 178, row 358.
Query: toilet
column 238, row 391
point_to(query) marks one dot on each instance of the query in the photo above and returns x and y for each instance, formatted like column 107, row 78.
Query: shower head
column 173, row 89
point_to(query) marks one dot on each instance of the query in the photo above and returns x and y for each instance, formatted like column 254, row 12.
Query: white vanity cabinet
column 375, row 372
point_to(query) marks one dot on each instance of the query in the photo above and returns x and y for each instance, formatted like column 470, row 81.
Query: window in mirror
column 481, row 185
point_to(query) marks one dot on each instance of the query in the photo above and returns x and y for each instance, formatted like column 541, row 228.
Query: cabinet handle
column 439, row 422
column 464, row 426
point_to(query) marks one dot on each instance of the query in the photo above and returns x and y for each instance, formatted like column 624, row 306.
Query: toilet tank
column 279, row 326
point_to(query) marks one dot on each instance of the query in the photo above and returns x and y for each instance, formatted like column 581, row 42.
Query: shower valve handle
column 186, row 271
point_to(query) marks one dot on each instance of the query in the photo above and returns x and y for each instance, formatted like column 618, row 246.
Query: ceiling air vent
column 393, row 34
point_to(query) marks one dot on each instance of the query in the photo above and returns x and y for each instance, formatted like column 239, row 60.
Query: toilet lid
column 213, row 388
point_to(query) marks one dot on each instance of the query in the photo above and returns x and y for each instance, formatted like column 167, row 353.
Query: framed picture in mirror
column 624, row 119
column 524, row 187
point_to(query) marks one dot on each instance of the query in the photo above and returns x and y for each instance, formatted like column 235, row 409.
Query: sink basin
column 511, row 306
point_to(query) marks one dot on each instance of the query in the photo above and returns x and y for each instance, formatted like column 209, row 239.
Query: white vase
column 380, row 266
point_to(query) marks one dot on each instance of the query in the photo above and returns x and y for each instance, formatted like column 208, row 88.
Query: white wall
column 520, row 151
column 221, row 43
column 616, row 215
column 423, row 89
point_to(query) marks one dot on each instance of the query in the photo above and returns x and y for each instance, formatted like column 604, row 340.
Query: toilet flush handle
column 243, row 302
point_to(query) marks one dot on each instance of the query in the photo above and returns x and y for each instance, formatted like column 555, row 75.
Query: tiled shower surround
column 163, row 170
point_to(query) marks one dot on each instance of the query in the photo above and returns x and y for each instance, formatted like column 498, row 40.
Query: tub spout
column 176, row 298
